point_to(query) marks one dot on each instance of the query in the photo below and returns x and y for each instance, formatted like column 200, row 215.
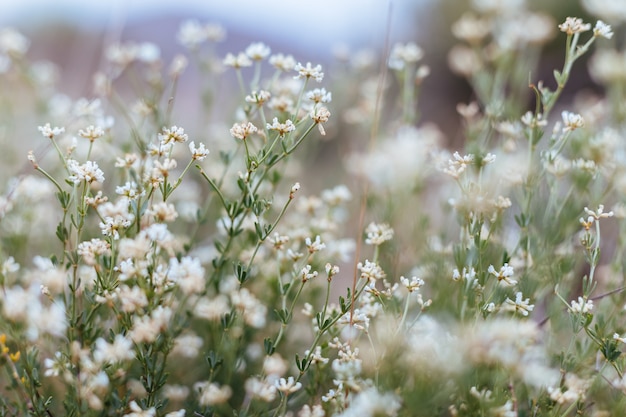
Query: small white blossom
column 531, row 121
column 258, row 51
column 331, row 270
column 172, row 135
column 137, row 411
column 519, row 305
column 413, row 284
column 212, row 393
column 603, row 30
column 260, row 389
column 281, row 128
column 243, row 130
column 287, row 386
column 9, row 266
column 306, row 274
column 314, row 246
column 50, row 132
column 572, row 121
column 120, row 350
column 309, row 71
column 458, row 165
column 129, row 190
column 294, row 189
column 403, row 54
column 378, row 233
column 239, row 61
column 199, row 153
column 504, row 275
column 258, row 97
column 320, row 115
column 88, row 172
column 583, row 305
column 316, row 411
column 371, row 271
column 488, row 159
column 282, row 62
column 574, row 25
column 599, row 214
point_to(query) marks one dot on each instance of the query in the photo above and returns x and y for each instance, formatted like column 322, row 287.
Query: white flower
column 378, row 233
column 488, row 159
column 120, row 350
column 13, row 42
column 137, row 411
column 574, row 25
column 581, row 306
column 147, row 328
column 282, row 62
column 572, row 121
column 602, row 29
column 187, row 345
column 294, row 189
column 90, row 250
column 617, row 337
column 188, row 274
column 519, row 305
column 260, row 389
column 239, row 61
column 316, row 355
column 162, row 212
column 258, row 97
column 458, row 165
column 131, row 298
column 320, row 115
column 413, row 284
column 129, row 190
column 599, row 214
column 258, row 51
column 319, row 95
column 370, row 403
column 314, row 246
column 504, row 275
column 172, row 135
column 191, row 33
column 306, row 273
column 316, row 411
column 287, row 386
column 402, row 54
column 309, row 71
column 9, row 266
column 370, row 271
column 50, row 132
column 88, row 172
column 254, row 312
column 281, row 128
column 199, row 153
column 531, row 121
column 112, row 226
column 331, row 270
column 243, row 130
column 212, row 393
column 55, row 366
column 91, row 132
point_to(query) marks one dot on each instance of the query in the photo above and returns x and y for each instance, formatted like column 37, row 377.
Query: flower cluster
column 152, row 268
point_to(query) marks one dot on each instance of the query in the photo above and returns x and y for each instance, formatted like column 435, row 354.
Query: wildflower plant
column 149, row 268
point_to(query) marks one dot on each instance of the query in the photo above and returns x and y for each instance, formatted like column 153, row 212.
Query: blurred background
column 73, row 34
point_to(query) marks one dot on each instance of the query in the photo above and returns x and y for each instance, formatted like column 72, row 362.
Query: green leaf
column 269, row 346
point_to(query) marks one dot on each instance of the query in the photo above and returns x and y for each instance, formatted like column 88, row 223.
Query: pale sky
column 300, row 20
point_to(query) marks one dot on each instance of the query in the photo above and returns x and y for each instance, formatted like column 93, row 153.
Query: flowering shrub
column 148, row 270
